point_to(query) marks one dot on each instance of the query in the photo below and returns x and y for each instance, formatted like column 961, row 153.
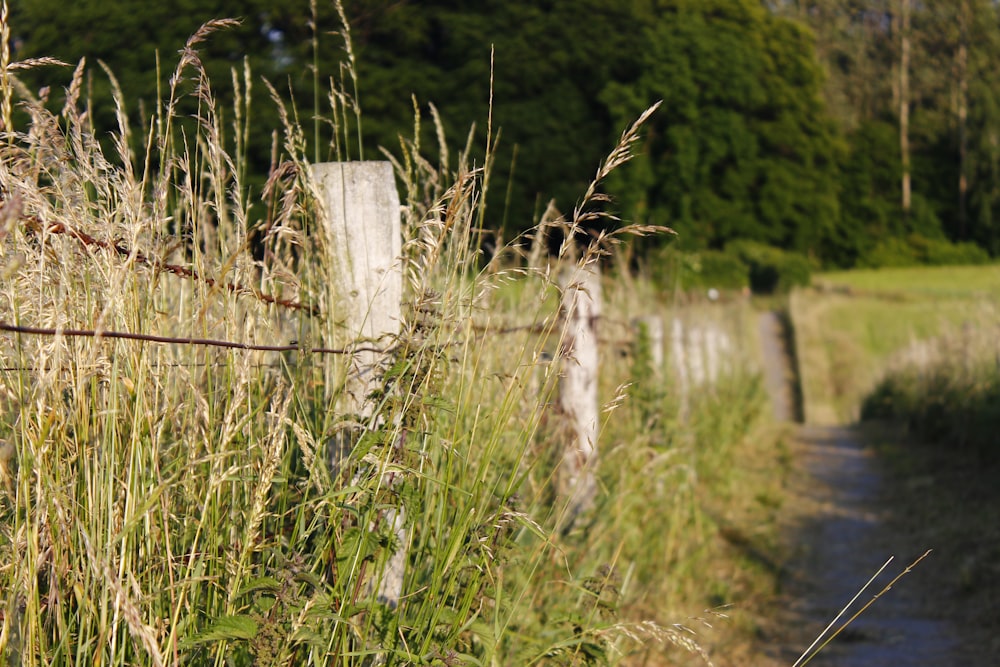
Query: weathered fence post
column 362, row 217
column 578, row 401
column 654, row 330
column 727, row 354
column 696, row 355
column 713, row 340
column 362, row 221
column 678, row 356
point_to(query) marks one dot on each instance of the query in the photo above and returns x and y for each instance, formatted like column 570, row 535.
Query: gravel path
column 841, row 531
column 845, row 534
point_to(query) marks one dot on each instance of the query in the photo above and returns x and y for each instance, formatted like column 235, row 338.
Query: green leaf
column 313, row 639
column 224, row 628
column 309, row 578
column 269, row 584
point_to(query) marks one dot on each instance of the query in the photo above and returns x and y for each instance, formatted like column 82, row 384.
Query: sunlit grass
column 846, row 340
column 927, row 281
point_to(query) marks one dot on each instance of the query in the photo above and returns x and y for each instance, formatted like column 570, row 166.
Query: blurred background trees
column 791, row 123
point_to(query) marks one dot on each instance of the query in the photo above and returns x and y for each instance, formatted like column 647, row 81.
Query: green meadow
column 850, row 325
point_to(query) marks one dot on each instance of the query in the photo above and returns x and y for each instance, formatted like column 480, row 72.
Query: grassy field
column 930, row 281
column 168, row 501
column 850, row 325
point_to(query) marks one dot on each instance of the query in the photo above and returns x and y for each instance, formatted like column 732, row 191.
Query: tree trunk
column 962, row 67
column 904, row 103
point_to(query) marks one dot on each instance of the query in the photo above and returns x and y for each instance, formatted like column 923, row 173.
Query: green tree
column 743, row 147
column 952, row 116
column 551, row 60
column 982, row 128
column 139, row 42
column 870, row 205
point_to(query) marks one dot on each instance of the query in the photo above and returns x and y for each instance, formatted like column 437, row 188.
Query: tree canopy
column 782, row 122
column 743, row 147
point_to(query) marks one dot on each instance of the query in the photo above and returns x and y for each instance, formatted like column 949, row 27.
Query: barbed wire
column 36, row 225
column 546, row 326
column 153, row 365
column 538, row 328
column 187, row 340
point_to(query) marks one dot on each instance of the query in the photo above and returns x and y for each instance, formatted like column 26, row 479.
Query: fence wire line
column 154, row 365
column 36, row 225
column 538, row 328
column 185, row 340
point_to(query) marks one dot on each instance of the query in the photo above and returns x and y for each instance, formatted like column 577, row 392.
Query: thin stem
column 909, row 568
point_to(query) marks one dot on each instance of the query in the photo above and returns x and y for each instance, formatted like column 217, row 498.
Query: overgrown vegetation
column 168, row 502
column 917, row 250
column 846, row 336
column 742, row 265
column 933, row 418
column 946, row 391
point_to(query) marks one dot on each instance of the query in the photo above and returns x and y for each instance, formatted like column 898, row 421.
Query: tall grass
column 846, row 340
column 167, row 503
column 945, row 391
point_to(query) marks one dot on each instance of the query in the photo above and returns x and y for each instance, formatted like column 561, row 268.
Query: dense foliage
column 944, row 404
column 934, row 122
column 782, row 122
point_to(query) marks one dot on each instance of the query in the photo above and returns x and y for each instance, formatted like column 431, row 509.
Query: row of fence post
column 361, row 211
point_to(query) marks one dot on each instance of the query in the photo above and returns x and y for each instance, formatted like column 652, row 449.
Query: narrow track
column 840, row 531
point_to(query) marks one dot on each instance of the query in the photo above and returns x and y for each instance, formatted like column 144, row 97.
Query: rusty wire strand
column 292, row 347
column 36, row 225
column 186, row 340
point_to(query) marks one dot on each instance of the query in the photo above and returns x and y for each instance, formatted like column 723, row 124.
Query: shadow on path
column 839, row 536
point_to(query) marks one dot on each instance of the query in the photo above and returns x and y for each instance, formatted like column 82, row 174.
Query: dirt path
column 841, row 530
column 779, row 378
column 844, row 531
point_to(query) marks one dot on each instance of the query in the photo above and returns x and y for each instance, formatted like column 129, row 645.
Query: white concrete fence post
column 361, row 213
column 713, row 345
column 578, row 399
column 654, row 331
column 696, row 355
column 678, row 355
